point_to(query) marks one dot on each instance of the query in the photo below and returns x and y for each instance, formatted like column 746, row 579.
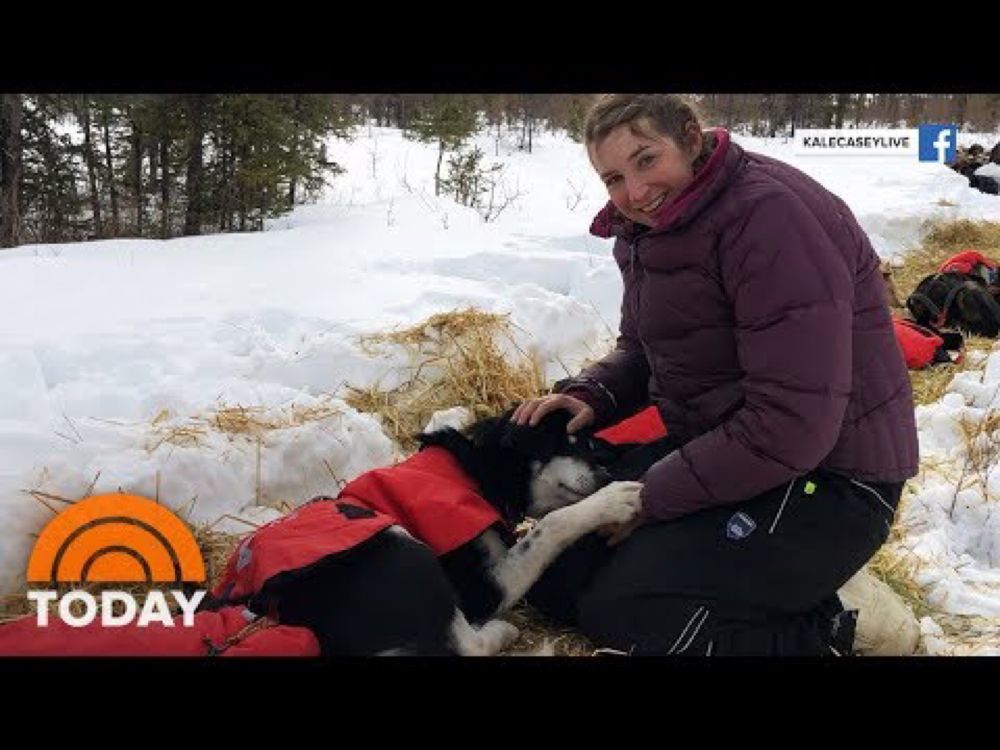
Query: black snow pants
column 753, row 578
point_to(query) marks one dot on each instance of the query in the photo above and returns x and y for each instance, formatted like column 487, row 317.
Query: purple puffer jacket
column 754, row 317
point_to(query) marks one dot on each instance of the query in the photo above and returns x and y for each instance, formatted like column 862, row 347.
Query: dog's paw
column 616, row 503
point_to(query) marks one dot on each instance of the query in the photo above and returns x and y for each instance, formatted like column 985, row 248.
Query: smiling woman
column 754, row 318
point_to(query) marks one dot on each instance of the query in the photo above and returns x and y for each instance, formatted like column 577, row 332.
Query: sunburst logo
column 119, row 539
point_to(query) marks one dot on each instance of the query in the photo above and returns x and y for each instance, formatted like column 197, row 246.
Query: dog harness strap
column 255, row 626
column 949, row 300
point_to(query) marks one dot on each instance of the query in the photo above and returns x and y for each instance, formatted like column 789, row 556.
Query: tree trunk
column 225, row 220
column 109, row 166
column 765, row 115
column 893, row 101
column 858, row 111
column 10, row 169
column 792, row 117
column 196, row 133
column 153, row 155
column 961, row 107
column 164, row 181
column 52, row 225
column 297, row 109
column 164, row 164
column 839, row 108
column 243, row 194
column 915, row 109
column 806, row 110
column 137, row 178
column 437, row 172
column 91, row 162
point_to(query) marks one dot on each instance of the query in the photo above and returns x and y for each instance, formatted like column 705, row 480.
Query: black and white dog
column 393, row 595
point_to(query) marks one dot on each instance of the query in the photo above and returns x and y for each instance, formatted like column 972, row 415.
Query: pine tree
column 82, row 110
column 10, row 169
column 52, row 209
column 136, row 116
column 161, row 163
column 107, row 120
column 194, row 110
column 448, row 121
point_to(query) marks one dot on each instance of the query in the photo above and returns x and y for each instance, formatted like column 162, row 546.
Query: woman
column 754, row 318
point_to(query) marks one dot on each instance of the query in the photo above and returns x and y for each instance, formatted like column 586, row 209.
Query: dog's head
column 563, row 468
column 529, row 471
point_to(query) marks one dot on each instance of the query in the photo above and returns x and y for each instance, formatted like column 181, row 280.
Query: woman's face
column 641, row 172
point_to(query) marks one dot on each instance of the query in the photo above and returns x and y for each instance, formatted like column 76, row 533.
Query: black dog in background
column 960, row 300
column 392, row 595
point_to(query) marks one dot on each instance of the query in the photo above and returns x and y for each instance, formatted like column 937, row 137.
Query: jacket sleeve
column 791, row 290
column 617, row 385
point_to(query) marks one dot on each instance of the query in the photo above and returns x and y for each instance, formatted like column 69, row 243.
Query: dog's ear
column 488, row 432
column 495, row 432
column 542, row 441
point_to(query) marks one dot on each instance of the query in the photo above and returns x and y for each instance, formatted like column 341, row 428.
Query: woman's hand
column 531, row 412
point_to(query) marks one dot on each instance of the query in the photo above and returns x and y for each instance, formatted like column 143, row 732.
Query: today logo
column 119, row 539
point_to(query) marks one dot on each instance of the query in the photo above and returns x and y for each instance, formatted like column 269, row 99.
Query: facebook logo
column 938, row 142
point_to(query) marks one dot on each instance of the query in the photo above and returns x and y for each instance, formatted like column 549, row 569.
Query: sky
column 118, row 355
